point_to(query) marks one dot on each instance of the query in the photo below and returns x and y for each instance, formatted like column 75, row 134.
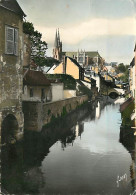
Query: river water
column 86, row 153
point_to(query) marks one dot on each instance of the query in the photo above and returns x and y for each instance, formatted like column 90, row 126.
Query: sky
column 107, row 26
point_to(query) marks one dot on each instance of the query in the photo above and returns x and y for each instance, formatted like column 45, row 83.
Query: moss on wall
column 126, row 115
column 68, row 80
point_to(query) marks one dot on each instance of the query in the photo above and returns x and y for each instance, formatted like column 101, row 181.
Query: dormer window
column 11, row 40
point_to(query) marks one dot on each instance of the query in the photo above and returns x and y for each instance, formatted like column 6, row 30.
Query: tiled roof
column 13, row 6
column 35, row 78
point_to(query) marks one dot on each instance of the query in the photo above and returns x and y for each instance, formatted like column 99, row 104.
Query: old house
column 36, row 87
column 11, row 69
column 70, row 67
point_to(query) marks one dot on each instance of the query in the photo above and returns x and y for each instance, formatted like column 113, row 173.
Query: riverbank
column 38, row 114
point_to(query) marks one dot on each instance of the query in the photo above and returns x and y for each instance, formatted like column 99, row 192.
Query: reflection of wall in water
column 98, row 111
column 133, row 168
column 79, row 129
column 129, row 142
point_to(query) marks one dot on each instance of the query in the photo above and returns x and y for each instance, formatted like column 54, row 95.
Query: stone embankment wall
column 37, row 114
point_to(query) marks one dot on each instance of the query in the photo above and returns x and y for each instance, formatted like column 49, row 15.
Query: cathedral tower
column 57, row 50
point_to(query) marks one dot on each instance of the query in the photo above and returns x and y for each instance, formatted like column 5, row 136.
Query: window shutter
column 16, row 42
column 9, row 40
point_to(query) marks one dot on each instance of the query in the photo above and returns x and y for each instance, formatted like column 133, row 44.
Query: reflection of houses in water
column 74, row 132
column 103, row 102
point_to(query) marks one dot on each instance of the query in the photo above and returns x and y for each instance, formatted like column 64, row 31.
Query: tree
column 38, row 47
column 121, row 68
column 125, row 77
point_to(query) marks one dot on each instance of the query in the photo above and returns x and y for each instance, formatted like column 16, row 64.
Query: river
column 86, row 153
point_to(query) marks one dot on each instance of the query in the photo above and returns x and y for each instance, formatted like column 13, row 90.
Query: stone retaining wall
column 37, row 114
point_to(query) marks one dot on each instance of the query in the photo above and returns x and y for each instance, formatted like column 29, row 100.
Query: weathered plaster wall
column 37, row 92
column 59, row 69
column 69, row 93
column 11, row 70
column 57, row 91
column 72, row 69
column 37, row 114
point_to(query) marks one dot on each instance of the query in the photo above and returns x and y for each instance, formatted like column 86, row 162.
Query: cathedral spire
column 56, row 40
column 58, row 37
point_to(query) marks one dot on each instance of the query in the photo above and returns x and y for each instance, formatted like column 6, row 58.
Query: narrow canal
column 86, row 153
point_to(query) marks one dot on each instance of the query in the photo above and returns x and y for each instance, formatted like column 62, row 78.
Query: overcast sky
column 108, row 26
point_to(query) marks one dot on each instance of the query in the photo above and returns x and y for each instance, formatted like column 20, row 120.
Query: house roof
column 93, row 54
column 13, row 6
column 35, row 78
column 90, row 54
column 75, row 62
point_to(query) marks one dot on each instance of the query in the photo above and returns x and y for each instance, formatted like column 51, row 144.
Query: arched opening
column 113, row 95
column 9, row 129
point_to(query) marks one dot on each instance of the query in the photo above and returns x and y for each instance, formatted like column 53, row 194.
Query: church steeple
column 56, row 40
column 57, row 50
column 58, row 37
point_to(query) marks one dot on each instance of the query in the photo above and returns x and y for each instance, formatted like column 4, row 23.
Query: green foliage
column 126, row 114
column 125, row 77
column 85, row 91
column 121, row 68
column 49, row 61
column 53, row 118
column 38, row 47
column 42, row 61
column 68, row 80
column 49, row 111
column 28, row 28
column 64, row 111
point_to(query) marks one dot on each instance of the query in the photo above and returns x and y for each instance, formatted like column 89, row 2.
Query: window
column 42, row 94
column 31, row 92
column 11, row 40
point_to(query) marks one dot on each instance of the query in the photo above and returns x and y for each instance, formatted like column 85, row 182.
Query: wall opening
column 9, row 129
column 113, row 95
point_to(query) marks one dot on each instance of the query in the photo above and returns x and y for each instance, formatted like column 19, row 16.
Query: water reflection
column 12, row 168
column 77, row 155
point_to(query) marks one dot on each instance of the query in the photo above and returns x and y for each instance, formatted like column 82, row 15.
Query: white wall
column 57, row 91
column 51, row 71
column 69, row 93
column 97, row 78
column 36, row 93
column 88, row 85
